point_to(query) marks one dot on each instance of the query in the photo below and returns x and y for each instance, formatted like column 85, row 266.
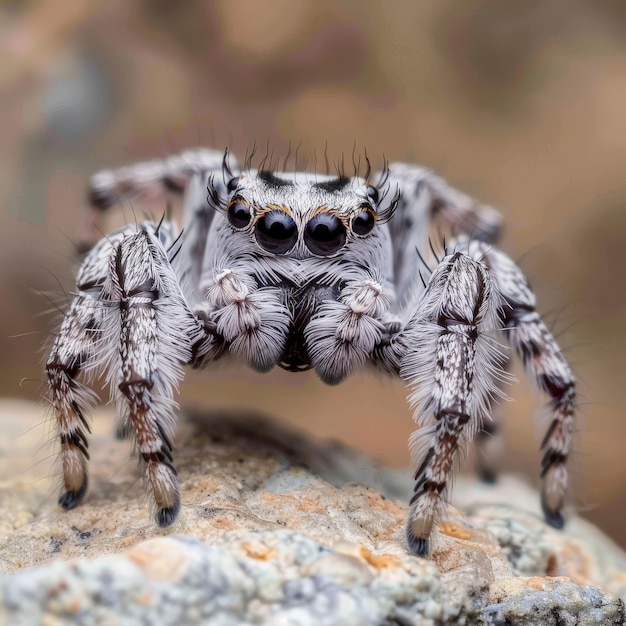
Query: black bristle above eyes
column 226, row 171
column 334, row 185
column 388, row 212
column 269, row 178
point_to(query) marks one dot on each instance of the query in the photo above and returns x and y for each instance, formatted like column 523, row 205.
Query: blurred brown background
column 521, row 104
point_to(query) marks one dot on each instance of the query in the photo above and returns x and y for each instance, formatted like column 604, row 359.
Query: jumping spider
column 303, row 271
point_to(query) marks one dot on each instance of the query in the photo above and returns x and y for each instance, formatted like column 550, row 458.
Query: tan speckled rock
column 278, row 529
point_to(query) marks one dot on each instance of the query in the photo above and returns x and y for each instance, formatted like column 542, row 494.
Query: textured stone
column 278, row 529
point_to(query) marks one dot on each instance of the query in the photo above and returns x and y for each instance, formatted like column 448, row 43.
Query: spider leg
column 450, row 363
column 77, row 351
column 544, row 362
column 151, row 178
column 70, row 399
column 156, row 334
column 152, row 181
column 146, row 333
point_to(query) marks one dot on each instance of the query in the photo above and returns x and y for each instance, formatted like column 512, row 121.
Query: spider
column 323, row 272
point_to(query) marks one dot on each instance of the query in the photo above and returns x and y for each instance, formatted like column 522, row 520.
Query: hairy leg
column 78, row 352
column 544, row 362
column 151, row 182
column 132, row 322
column 450, row 363
column 156, row 334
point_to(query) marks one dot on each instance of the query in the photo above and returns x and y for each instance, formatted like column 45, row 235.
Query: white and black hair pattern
column 322, row 272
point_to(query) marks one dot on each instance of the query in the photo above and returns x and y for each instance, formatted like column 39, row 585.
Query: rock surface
column 278, row 529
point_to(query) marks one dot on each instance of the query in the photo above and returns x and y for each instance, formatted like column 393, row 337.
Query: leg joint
column 135, row 386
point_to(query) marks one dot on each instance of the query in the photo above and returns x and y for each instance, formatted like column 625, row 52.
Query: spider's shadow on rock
column 257, row 434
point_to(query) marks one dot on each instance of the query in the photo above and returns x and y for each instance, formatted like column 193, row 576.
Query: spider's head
column 302, row 216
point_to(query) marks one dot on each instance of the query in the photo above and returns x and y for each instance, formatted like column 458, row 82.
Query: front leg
column 450, row 365
column 157, row 334
column 77, row 353
column 132, row 322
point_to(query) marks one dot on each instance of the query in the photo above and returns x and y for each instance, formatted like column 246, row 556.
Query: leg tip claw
column 417, row 545
column 71, row 499
column 553, row 518
column 167, row 516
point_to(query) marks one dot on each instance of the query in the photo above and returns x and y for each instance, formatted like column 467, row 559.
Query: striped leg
column 542, row 358
column 130, row 320
column 77, row 351
column 155, row 334
column 70, row 399
column 450, row 365
column 152, row 183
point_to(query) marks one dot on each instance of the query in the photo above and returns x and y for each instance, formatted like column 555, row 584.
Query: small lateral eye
column 324, row 234
column 239, row 213
column 372, row 194
column 232, row 184
column 363, row 222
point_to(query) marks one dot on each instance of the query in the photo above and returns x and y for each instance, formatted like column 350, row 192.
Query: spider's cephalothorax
column 304, row 271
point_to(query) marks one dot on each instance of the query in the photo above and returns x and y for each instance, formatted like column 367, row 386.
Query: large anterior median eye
column 239, row 213
column 324, row 234
column 276, row 232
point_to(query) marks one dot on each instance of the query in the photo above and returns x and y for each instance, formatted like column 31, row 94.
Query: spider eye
column 372, row 194
column 232, row 184
column 276, row 232
column 239, row 213
column 363, row 222
column 324, row 234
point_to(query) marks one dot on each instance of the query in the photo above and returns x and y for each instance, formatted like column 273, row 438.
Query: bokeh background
column 522, row 104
